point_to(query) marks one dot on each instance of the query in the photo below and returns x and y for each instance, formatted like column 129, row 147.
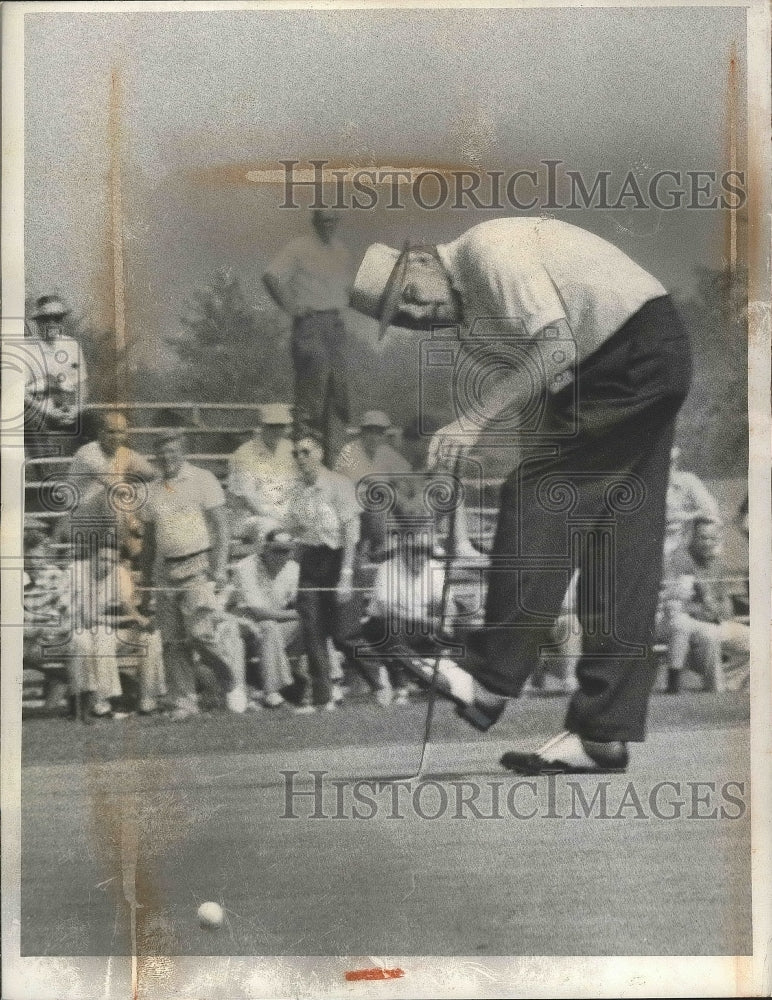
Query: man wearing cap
column 565, row 307
column 365, row 455
column 55, row 383
column 324, row 518
column 310, row 279
column 262, row 472
column 186, row 536
column 265, row 601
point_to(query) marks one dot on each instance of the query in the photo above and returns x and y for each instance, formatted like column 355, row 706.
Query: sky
column 207, row 96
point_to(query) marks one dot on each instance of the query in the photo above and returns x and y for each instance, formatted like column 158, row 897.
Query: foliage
column 713, row 427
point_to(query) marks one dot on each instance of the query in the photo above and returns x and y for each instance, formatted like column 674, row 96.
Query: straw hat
column 379, row 284
column 49, row 307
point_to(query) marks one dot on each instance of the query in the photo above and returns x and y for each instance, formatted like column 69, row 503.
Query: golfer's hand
column 447, row 446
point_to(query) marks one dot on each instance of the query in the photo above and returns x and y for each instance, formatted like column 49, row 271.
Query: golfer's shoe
column 570, row 754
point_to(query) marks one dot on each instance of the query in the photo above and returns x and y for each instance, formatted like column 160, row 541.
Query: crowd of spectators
column 274, row 589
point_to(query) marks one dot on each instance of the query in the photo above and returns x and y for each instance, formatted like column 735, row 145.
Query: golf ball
column 210, row 915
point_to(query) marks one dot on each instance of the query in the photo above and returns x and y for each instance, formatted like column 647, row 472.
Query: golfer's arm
column 516, row 385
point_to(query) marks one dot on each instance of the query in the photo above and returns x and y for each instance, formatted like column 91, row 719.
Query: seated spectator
column 218, row 648
column 403, row 617
column 368, row 454
column 416, row 438
column 106, row 472
column 687, row 499
column 47, row 623
column 93, row 655
column 410, row 622
column 262, row 472
column 696, row 617
column 264, row 600
column 55, row 384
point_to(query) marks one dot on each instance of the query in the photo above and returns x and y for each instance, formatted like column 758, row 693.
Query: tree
column 714, row 420
column 230, row 352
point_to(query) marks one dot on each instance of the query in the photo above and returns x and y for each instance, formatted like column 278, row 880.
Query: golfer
column 577, row 353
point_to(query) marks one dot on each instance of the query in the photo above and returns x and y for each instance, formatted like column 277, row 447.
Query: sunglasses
column 301, row 451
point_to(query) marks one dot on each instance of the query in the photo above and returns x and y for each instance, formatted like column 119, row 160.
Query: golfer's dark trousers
column 320, row 362
column 591, row 495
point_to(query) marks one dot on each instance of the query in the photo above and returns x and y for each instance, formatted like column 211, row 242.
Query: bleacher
column 214, row 430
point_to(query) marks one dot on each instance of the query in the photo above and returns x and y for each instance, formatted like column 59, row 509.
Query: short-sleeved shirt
column 263, row 477
column 178, row 507
column 317, row 275
column 90, row 465
column 688, row 498
column 318, row 514
column 354, row 462
column 533, row 272
column 57, row 363
column 257, row 589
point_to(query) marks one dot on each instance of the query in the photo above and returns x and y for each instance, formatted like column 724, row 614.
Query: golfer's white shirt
column 534, row 272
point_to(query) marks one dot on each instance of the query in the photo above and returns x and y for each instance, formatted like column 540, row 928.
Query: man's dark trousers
column 320, row 362
column 320, row 615
column 592, row 494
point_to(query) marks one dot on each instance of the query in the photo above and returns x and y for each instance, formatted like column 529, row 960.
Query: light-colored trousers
column 719, row 653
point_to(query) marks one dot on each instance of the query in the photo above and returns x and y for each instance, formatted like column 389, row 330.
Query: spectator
column 93, row 659
column 410, row 617
column 55, row 387
column 687, row 498
column 105, row 472
column 696, row 622
column 403, row 615
column 324, row 518
column 47, row 595
column 369, row 454
column 416, row 438
column 310, row 279
column 185, row 528
column 265, row 601
column 218, row 648
column 262, row 471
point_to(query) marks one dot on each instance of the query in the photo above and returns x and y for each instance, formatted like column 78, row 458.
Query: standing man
column 324, row 518
column 556, row 305
column 370, row 454
column 262, row 471
column 310, row 279
column 186, row 536
column 55, row 386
